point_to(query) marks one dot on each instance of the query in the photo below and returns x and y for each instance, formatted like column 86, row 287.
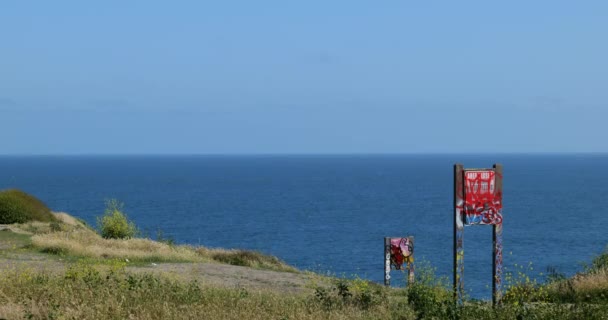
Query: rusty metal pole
column 410, row 269
column 458, row 234
column 497, row 242
column 387, row 261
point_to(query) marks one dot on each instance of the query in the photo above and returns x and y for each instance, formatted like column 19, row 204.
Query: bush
column 430, row 295
column 252, row 259
column 599, row 263
column 17, row 206
column 358, row 294
column 114, row 224
column 521, row 288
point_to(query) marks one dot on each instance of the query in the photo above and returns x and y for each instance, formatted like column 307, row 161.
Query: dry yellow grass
column 64, row 222
column 595, row 281
column 86, row 243
column 67, row 219
column 33, row 227
column 71, row 237
column 11, row 311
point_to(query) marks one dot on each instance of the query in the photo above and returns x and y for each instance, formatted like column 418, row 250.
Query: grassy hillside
column 97, row 283
column 68, row 236
column 84, row 291
column 17, row 206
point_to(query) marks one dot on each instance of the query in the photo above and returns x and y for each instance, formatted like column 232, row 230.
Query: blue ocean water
column 330, row 213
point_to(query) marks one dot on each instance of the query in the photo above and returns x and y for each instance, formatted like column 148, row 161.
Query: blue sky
column 227, row 77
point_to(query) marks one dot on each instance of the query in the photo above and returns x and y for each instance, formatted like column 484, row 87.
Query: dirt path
column 209, row 273
column 217, row 274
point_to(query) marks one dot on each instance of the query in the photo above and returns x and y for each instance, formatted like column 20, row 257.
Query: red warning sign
column 482, row 204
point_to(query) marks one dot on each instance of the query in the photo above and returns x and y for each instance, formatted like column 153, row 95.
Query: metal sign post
column 458, row 233
column 387, row 261
column 497, row 243
column 478, row 201
column 397, row 252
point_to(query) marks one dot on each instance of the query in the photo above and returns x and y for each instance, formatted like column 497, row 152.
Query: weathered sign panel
column 482, row 204
column 398, row 254
column 478, row 201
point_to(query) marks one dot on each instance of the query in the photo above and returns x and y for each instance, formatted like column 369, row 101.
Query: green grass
column 11, row 240
column 252, row 259
column 599, row 263
column 85, row 291
column 96, row 285
column 17, row 206
column 101, row 288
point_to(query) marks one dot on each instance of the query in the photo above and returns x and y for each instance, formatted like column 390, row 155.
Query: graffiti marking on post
column 478, row 201
column 397, row 253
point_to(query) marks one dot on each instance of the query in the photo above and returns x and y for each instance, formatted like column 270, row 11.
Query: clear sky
column 309, row 76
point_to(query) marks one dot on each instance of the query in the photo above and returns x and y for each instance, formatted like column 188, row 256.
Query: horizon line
column 298, row 154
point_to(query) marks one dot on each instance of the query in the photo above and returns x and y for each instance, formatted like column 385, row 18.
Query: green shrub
column 430, row 295
column 600, row 262
column 55, row 250
column 162, row 238
column 114, row 224
column 252, row 259
column 17, row 206
column 343, row 293
column 520, row 287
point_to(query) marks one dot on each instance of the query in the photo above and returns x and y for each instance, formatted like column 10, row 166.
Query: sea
column 330, row 213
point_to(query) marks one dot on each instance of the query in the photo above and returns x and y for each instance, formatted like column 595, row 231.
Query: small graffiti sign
column 482, row 204
column 398, row 254
column 402, row 250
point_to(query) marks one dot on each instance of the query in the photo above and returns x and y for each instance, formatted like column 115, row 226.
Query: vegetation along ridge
column 55, row 266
